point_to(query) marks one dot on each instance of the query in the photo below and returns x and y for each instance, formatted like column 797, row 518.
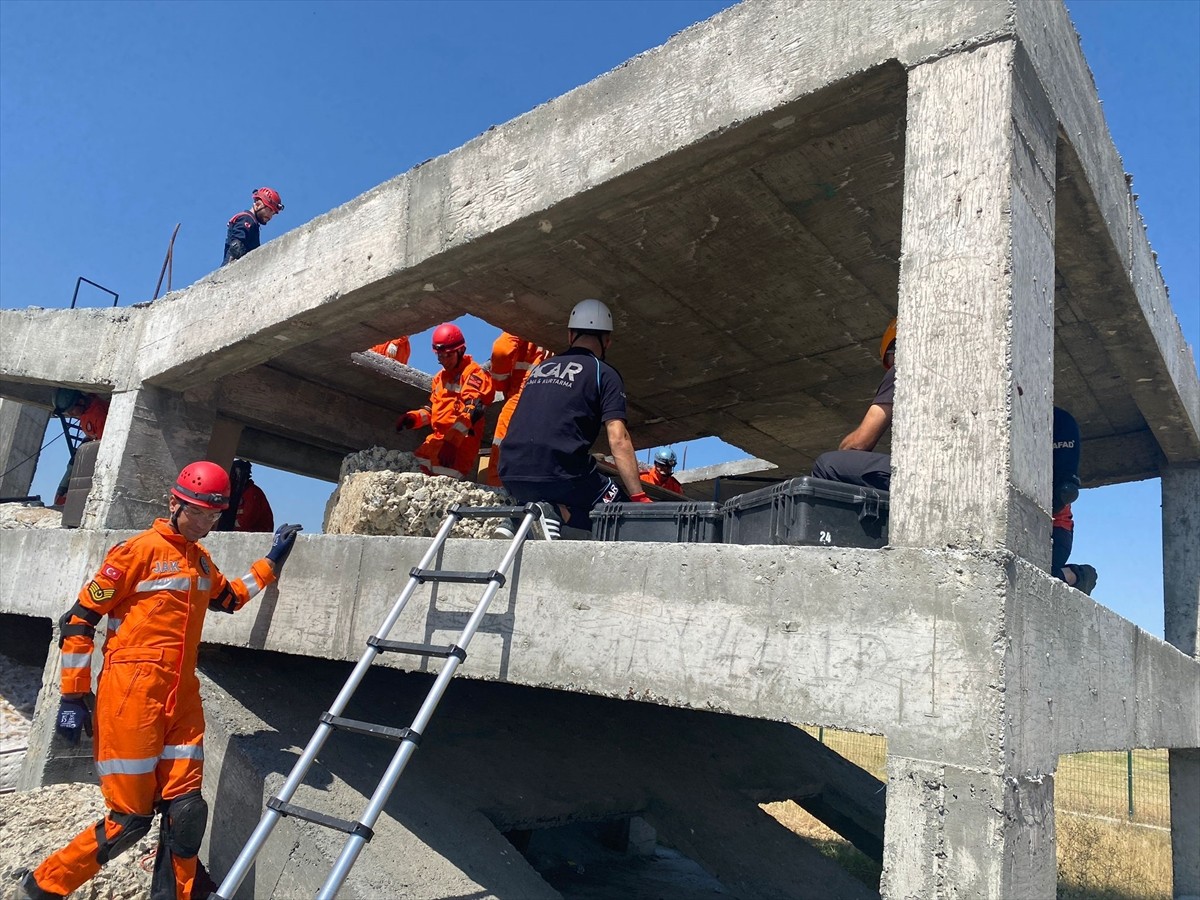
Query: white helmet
column 590, row 315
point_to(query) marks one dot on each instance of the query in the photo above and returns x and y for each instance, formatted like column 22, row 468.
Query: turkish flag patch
column 111, row 572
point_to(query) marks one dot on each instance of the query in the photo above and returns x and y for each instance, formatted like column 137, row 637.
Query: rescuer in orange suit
column 661, row 474
column 460, row 393
column 91, row 411
column 249, row 509
column 155, row 589
column 397, row 348
column 512, row 358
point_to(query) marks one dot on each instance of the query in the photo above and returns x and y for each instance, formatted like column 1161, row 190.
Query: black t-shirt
column 886, row 388
column 565, row 402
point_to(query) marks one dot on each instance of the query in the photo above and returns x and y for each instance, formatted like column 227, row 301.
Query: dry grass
column 1101, row 860
column 1098, row 859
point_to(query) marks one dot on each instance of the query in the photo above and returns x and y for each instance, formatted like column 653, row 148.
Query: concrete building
column 775, row 184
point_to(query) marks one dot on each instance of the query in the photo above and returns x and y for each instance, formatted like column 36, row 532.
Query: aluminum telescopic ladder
column 409, row 738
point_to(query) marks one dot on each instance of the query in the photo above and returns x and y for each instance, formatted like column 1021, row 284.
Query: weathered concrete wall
column 824, row 636
column 22, row 428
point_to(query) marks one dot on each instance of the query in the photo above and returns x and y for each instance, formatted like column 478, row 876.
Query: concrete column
column 149, row 436
column 974, row 354
column 958, row 832
column 972, row 443
column 1181, row 598
column 22, row 428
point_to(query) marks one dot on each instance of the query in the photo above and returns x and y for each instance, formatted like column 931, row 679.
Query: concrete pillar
column 972, row 442
column 1181, row 598
column 149, row 436
column 22, row 428
column 974, row 354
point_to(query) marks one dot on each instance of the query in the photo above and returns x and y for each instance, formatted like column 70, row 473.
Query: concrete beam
column 904, row 642
column 973, row 360
column 89, row 349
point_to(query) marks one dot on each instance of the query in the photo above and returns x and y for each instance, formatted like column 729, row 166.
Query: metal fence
column 1126, row 785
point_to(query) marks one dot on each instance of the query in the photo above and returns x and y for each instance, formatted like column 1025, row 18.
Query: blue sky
column 118, row 120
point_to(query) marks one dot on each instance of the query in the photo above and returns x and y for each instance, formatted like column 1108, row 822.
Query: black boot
column 32, row 889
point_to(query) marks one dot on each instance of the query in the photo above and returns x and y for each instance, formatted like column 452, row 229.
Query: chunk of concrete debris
column 373, row 499
column 20, row 515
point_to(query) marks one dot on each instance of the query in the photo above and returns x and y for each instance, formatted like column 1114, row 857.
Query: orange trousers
column 149, row 746
column 466, row 457
column 506, row 414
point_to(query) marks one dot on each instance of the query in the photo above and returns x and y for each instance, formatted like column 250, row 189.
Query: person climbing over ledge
column 1066, row 491
column 460, row 393
column 565, row 401
column 155, row 588
column 241, row 234
column 398, row 348
column 91, row 412
column 661, row 474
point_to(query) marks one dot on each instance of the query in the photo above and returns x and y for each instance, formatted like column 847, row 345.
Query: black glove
column 1066, row 491
column 74, row 716
column 1085, row 577
column 407, row 421
column 281, row 546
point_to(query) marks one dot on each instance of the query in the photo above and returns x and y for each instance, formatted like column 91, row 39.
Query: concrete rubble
column 20, row 515
column 382, row 493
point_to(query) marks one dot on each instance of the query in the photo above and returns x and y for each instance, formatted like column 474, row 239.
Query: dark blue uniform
column 240, row 237
column 564, row 404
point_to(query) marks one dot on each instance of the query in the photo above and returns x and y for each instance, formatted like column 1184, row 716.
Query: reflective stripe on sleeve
column 452, row 388
column 126, row 766
column 183, row 751
column 76, row 660
column 114, row 625
column 251, row 583
column 204, row 584
column 459, row 426
column 523, row 365
column 164, row 584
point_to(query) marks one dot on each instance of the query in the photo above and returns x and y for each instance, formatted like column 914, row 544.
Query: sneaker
column 551, row 521
column 31, row 889
column 1085, row 577
column 504, row 530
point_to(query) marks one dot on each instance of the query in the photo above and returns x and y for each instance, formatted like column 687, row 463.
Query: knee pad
column 186, row 817
column 133, row 829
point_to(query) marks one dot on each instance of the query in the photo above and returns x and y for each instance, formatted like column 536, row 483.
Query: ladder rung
column 488, row 512
column 439, row 575
column 439, row 650
column 309, row 815
column 383, row 731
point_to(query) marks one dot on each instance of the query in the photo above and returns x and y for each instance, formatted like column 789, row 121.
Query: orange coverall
column 397, row 349
column 512, row 358
column 93, row 416
column 670, row 483
column 155, row 589
column 455, row 412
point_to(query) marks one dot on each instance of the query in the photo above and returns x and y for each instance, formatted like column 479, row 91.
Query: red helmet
column 270, row 199
column 448, row 337
column 204, row 484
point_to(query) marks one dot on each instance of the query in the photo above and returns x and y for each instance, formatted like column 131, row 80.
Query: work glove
column 74, row 716
column 281, row 545
column 447, row 454
column 392, row 349
column 640, row 497
column 1066, row 491
column 407, row 421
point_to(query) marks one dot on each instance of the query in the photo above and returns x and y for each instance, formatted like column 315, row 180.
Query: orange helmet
column 270, row 199
column 448, row 337
column 203, row 484
column 889, row 337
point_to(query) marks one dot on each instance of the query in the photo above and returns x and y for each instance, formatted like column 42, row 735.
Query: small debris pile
column 33, row 824
column 19, row 515
column 382, row 493
column 19, row 686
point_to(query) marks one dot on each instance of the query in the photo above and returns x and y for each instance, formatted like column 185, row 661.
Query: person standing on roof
column 155, row 588
column 661, row 473
column 855, row 462
column 564, row 403
column 248, row 507
column 461, row 392
column 397, row 348
column 512, row 358
column 91, row 412
column 241, row 235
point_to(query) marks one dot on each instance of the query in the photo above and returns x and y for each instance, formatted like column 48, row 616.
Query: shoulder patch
column 204, row 566
column 474, row 381
column 99, row 594
column 111, row 572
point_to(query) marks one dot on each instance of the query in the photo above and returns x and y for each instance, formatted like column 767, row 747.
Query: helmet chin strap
column 175, row 518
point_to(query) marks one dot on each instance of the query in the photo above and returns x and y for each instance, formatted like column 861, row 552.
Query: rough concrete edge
column 89, row 349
